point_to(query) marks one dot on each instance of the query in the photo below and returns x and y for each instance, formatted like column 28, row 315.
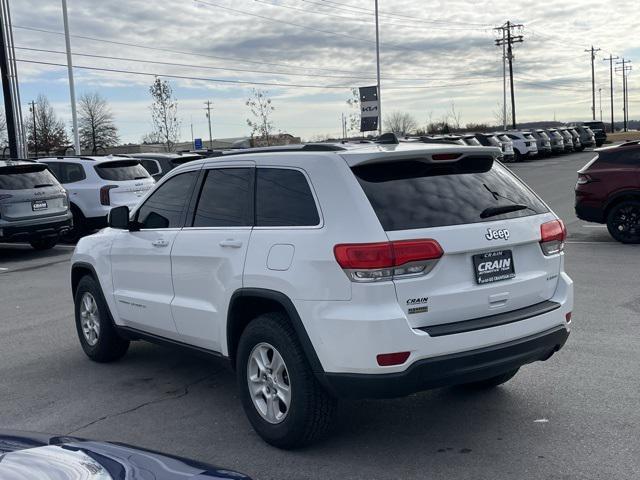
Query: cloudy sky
column 309, row 53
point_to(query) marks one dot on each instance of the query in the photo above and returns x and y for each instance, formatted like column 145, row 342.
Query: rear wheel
column 493, row 381
column 97, row 333
column 282, row 398
column 44, row 243
column 623, row 222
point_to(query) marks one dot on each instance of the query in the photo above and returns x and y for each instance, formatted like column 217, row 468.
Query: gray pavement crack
column 184, row 392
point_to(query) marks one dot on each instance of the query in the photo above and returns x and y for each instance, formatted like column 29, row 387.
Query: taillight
column 104, row 194
column 552, row 237
column 446, row 156
column 370, row 262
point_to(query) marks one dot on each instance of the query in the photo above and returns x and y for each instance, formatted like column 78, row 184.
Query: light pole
column 378, row 72
column 600, row 94
column 72, row 90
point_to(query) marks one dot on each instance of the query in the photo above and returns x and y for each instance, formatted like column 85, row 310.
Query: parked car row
column 519, row 145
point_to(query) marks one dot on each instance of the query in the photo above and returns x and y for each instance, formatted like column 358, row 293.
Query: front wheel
column 97, row 333
column 282, row 398
column 623, row 222
column 44, row 243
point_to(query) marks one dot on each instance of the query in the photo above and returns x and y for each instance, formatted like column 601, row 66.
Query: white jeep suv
column 328, row 271
column 96, row 184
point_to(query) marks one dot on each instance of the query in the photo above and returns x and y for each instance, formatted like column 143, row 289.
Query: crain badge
column 413, row 303
column 503, row 233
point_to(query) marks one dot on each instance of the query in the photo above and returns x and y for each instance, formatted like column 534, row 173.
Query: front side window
column 226, row 199
column 166, row 206
column 284, row 199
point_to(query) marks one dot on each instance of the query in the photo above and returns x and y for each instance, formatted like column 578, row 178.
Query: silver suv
column 33, row 205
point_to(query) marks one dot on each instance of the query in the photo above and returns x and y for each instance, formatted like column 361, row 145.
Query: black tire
column 79, row 228
column 312, row 410
column 492, row 382
column 43, row 243
column 517, row 156
column 623, row 221
column 109, row 346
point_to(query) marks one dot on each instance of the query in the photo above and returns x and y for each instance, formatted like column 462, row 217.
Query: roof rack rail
column 309, row 147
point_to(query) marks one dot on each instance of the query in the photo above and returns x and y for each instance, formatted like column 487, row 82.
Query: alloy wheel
column 269, row 384
column 89, row 319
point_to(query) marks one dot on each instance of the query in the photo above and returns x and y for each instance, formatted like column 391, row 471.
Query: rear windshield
column 493, row 141
column 544, row 135
column 122, row 170
column 22, row 177
column 413, row 194
column 184, row 159
column 472, row 141
column 528, row 136
column 595, row 125
column 555, row 134
column 504, row 138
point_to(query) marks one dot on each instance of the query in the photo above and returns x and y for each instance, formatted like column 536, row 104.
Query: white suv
column 96, row 184
column 524, row 145
column 327, row 271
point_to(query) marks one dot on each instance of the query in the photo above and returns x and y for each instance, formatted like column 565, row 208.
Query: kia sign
column 368, row 109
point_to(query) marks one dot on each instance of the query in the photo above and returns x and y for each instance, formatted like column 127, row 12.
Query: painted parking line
column 3, row 269
column 593, row 226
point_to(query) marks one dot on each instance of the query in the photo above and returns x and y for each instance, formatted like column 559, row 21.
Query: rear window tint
column 150, row 166
column 121, row 170
column 22, row 177
column 623, row 156
column 412, row 194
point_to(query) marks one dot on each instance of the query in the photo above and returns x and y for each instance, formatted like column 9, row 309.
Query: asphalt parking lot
column 573, row 417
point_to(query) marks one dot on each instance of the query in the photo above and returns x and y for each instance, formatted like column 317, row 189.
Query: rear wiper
column 42, row 185
column 493, row 211
column 140, row 178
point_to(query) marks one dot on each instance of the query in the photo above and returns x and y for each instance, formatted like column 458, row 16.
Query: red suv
column 608, row 191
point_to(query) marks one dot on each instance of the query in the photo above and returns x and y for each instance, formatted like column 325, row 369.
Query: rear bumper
column 447, row 370
column 589, row 213
column 45, row 229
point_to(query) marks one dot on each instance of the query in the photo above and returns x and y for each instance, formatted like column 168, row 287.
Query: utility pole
column 600, row 94
column 6, row 91
column 378, row 71
column 593, row 81
column 72, row 89
column 208, row 109
column 510, row 39
column 191, row 130
column 35, row 132
column 610, row 60
column 625, row 105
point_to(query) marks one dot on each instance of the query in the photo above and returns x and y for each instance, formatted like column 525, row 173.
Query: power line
column 244, row 82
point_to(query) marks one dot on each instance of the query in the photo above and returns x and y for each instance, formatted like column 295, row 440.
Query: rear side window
column 166, row 206
column 284, row 199
column 623, row 156
column 226, row 199
column 22, row 177
column 69, row 172
column 413, row 194
column 121, row 170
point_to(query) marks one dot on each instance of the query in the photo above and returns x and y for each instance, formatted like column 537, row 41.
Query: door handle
column 231, row 243
column 160, row 243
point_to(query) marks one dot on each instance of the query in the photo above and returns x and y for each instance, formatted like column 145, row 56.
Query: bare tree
column 49, row 134
column 261, row 109
column 454, row 116
column 152, row 138
column 353, row 121
column 498, row 115
column 164, row 113
column 3, row 128
column 95, row 123
column 400, row 123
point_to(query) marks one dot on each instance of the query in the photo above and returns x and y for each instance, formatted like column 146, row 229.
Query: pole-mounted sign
column 369, row 109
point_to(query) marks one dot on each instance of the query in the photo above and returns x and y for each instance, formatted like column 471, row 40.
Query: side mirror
column 119, row 217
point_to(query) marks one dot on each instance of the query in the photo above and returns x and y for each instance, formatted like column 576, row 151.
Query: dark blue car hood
column 45, row 457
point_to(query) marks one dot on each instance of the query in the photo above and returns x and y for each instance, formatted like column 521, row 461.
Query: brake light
column 369, row 262
column 446, row 156
column 105, row 198
column 552, row 237
column 389, row 359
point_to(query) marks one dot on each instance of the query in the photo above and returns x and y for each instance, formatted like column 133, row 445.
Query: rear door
column 208, row 257
column 491, row 263
column 30, row 191
column 127, row 181
column 141, row 260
